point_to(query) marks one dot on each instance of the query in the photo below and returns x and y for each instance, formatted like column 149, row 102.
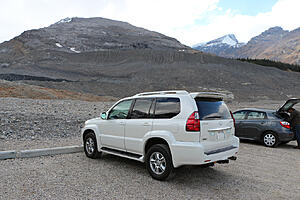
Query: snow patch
column 66, row 20
column 228, row 40
column 74, row 50
column 58, row 45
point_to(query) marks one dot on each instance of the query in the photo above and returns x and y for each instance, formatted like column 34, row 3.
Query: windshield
column 212, row 109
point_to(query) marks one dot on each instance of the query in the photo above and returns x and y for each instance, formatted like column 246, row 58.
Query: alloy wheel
column 157, row 163
column 269, row 139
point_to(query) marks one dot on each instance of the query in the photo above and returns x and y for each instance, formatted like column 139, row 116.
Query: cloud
column 284, row 13
column 189, row 21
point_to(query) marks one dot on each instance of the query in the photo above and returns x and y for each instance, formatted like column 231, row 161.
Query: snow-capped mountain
column 220, row 46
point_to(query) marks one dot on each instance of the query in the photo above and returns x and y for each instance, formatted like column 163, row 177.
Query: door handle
column 146, row 124
column 122, row 123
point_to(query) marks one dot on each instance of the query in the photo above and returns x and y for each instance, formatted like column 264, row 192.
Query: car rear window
column 212, row 109
column 166, row 108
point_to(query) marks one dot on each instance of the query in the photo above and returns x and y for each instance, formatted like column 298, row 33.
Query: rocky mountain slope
column 112, row 58
column 273, row 44
column 222, row 46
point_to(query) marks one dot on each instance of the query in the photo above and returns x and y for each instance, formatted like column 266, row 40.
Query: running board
column 123, row 154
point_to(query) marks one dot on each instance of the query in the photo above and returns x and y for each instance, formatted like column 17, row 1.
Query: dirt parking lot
column 259, row 173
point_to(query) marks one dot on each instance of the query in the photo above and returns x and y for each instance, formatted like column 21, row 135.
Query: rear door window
column 166, row 108
column 212, row 109
column 141, row 109
column 253, row 115
column 240, row 115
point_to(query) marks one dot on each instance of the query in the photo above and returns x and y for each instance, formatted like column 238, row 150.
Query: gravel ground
column 44, row 123
column 259, row 173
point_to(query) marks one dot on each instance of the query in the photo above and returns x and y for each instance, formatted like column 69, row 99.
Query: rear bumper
column 286, row 135
column 189, row 153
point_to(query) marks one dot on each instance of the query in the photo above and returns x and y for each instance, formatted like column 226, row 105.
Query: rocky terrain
column 111, row 58
column 273, row 44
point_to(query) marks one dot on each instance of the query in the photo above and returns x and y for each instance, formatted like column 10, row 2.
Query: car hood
column 288, row 104
column 92, row 121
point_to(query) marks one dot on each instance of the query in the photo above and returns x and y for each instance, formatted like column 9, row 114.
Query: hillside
column 74, row 55
column 19, row 90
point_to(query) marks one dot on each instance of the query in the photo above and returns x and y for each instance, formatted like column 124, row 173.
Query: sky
column 189, row 21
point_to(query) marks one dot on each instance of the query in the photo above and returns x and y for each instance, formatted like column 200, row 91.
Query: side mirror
column 103, row 115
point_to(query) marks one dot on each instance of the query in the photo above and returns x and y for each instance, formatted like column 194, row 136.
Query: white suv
column 165, row 130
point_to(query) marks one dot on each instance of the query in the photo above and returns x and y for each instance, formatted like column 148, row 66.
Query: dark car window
column 210, row 109
column 120, row 111
column 166, row 108
column 141, row 109
column 240, row 115
column 254, row 115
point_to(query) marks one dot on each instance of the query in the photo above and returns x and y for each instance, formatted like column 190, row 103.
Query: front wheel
column 159, row 161
column 270, row 139
column 90, row 146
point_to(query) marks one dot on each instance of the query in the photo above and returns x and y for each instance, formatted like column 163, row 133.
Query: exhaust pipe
column 232, row 158
column 223, row 161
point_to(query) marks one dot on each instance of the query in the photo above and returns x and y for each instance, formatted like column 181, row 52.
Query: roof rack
column 162, row 92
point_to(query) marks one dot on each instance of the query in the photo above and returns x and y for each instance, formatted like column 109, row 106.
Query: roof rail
column 208, row 94
column 162, row 92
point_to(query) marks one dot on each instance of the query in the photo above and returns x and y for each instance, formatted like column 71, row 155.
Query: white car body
column 128, row 137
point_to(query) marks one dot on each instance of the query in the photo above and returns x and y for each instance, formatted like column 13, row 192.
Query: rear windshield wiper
column 212, row 117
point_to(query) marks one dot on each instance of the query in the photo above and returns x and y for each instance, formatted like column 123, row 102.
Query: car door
column 112, row 130
column 240, row 117
column 254, row 124
column 138, row 124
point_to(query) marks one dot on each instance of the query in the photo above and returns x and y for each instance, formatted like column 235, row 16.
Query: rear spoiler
column 215, row 95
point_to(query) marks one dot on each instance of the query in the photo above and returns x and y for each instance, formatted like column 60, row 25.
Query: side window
column 239, row 115
column 120, row 111
column 141, row 109
column 166, row 108
column 256, row 115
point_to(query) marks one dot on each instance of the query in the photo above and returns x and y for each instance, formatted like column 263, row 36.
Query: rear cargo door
column 217, row 128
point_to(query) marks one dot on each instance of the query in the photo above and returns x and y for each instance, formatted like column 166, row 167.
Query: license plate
column 220, row 135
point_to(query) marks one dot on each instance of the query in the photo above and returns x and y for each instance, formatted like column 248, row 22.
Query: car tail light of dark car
column 285, row 124
column 193, row 122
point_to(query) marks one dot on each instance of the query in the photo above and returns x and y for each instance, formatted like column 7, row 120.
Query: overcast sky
column 189, row 21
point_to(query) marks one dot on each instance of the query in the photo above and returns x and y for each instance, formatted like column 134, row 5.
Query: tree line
column 272, row 63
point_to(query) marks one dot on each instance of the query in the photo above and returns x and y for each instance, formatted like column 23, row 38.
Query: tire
column 90, row 146
column 270, row 139
column 159, row 161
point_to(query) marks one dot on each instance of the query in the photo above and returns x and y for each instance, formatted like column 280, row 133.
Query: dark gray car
column 267, row 126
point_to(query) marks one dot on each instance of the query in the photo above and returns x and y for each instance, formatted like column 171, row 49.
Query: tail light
column 193, row 122
column 285, row 124
column 232, row 118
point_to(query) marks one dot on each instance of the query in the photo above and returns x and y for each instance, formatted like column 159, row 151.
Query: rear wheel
column 90, row 146
column 159, row 161
column 270, row 139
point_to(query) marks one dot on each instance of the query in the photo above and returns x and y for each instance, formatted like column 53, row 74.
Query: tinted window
column 210, row 109
column 120, row 111
column 256, row 115
column 166, row 107
column 141, row 109
column 239, row 115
